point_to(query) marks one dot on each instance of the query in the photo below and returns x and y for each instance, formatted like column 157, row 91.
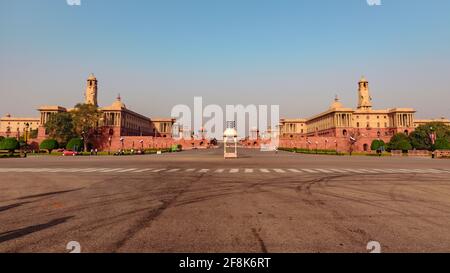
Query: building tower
column 364, row 100
column 91, row 91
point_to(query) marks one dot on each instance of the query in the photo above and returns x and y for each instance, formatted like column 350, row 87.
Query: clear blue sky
column 157, row 53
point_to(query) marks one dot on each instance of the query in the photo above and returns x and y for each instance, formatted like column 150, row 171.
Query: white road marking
column 173, row 170
column 264, row 170
column 111, row 170
column 248, row 170
column 309, row 171
column 339, row 170
column 219, row 170
column 91, row 170
column 294, row 170
column 158, row 170
column 203, row 171
column 127, row 170
column 323, row 171
column 190, row 170
column 279, row 171
column 354, row 170
column 234, row 170
column 143, row 170
column 368, row 170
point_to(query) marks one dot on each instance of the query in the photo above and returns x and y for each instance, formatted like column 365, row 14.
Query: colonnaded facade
column 334, row 127
column 117, row 120
column 121, row 127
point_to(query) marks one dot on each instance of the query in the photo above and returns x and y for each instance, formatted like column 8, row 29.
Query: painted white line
column 279, row 171
column 158, row 170
column 173, row 170
column 368, row 171
column 127, row 170
column 309, row 171
column 203, row 171
column 73, row 170
column 111, row 170
column 354, row 170
column 56, row 170
column 382, row 170
column 234, row 170
column 143, row 170
column 323, row 171
column 264, row 170
column 219, row 170
column 294, row 170
column 91, row 170
column 339, row 171
column 248, row 170
column 190, row 170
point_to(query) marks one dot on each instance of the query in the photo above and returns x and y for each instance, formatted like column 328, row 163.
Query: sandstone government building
column 330, row 129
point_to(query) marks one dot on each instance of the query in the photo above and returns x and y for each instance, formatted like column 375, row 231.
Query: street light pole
column 27, row 126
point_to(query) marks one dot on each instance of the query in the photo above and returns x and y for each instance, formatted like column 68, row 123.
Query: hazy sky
column 158, row 53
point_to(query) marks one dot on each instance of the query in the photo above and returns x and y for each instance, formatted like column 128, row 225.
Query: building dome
column 336, row 103
column 118, row 104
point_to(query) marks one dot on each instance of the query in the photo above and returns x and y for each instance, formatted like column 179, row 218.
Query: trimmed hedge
column 9, row 144
column 49, row 145
column 75, row 144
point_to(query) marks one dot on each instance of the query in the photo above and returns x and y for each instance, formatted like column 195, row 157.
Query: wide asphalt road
column 196, row 201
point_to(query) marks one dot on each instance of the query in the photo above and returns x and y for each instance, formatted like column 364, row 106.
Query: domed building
column 118, row 120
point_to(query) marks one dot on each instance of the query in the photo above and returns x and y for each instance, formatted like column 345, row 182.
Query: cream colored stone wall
column 12, row 124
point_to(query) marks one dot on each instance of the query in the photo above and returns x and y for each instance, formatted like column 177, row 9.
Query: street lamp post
column 433, row 141
column 109, row 141
column 27, row 126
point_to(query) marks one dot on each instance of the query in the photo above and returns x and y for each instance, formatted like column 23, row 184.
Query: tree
column 60, row 127
column 420, row 138
column 400, row 141
column 377, row 144
column 441, row 144
column 49, row 145
column 10, row 144
column 75, row 144
column 86, row 118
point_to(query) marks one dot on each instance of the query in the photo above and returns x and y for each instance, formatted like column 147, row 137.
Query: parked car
column 70, row 153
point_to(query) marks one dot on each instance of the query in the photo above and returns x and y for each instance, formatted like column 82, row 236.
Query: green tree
column 420, row 138
column 377, row 144
column 86, row 118
column 400, row 141
column 75, row 144
column 60, row 127
column 49, row 145
column 9, row 144
column 441, row 144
